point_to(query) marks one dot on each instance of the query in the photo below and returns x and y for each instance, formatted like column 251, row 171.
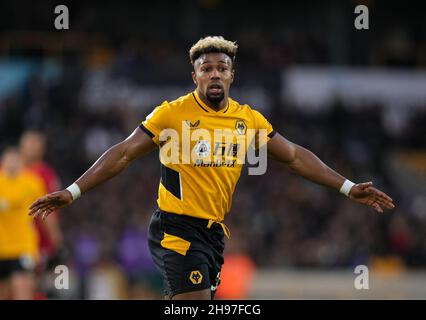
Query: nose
column 215, row 74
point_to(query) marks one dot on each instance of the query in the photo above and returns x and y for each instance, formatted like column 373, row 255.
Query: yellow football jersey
column 18, row 236
column 202, row 153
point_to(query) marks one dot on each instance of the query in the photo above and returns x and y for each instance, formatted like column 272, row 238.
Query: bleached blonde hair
column 212, row 44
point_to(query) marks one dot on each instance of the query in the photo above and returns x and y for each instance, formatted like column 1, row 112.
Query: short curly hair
column 212, row 44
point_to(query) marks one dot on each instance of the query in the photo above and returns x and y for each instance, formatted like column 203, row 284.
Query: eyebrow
column 207, row 61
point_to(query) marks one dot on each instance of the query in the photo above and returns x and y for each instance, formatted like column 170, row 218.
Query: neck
column 31, row 161
column 216, row 106
column 12, row 174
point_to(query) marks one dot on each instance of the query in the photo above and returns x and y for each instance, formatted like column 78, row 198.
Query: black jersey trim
column 273, row 132
column 199, row 103
column 170, row 179
column 226, row 108
column 195, row 98
column 144, row 129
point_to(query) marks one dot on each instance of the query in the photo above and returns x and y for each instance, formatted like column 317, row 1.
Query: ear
column 232, row 75
column 194, row 78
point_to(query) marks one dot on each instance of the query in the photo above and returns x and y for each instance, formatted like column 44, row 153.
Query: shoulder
column 170, row 106
column 180, row 102
column 31, row 176
column 244, row 108
column 33, row 180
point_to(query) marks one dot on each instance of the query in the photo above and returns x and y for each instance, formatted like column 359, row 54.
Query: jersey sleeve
column 156, row 121
column 264, row 130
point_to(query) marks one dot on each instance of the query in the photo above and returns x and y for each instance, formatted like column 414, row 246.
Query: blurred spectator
column 19, row 252
column 32, row 149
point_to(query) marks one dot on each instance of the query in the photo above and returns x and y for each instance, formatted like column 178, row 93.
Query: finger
column 45, row 214
column 43, row 200
column 40, row 213
column 380, row 194
column 385, row 204
column 380, row 197
column 31, row 212
column 384, row 196
column 37, row 202
column 50, row 208
column 377, row 208
column 41, row 207
column 383, row 200
column 49, row 211
column 36, row 213
column 46, row 205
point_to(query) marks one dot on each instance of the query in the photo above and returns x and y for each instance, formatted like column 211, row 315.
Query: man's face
column 213, row 75
column 11, row 162
column 32, row 147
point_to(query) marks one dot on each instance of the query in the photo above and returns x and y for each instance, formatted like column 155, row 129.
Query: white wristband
column 75, row 191
column 346, row 187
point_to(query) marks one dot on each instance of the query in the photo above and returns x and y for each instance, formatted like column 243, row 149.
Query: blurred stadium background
column 357, row 98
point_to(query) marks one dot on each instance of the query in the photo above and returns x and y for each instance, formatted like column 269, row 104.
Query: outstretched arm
column 111, row 163
column 306, row 164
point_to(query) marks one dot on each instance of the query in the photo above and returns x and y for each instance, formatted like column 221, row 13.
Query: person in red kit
column 32, row 148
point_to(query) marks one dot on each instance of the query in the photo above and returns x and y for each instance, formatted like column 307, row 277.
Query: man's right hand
column 113, row 161
column 43, row 206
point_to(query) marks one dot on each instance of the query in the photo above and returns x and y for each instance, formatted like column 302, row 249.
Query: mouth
column 215, row 88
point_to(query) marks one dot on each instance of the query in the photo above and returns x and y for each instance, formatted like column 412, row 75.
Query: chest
column 218, row 139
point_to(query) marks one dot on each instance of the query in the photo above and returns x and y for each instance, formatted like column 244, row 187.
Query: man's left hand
column 365, row 193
